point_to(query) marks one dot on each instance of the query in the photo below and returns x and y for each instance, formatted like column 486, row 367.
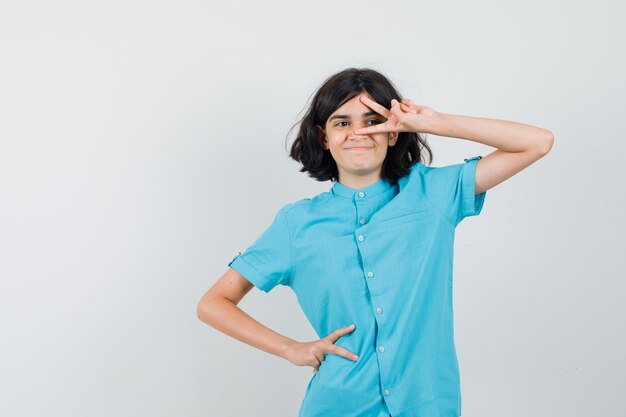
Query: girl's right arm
column 218, row 308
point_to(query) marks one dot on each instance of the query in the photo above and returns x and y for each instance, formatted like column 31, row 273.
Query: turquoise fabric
column 379, row 257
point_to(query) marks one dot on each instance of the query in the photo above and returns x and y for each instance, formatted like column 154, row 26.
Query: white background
column 142, row 145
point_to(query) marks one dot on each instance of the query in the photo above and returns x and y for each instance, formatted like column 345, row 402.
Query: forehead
column 354, row 105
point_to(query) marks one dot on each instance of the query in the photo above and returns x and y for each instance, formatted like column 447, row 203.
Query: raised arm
column 518, row 145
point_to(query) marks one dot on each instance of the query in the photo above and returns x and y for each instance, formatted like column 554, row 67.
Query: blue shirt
column 379, row 257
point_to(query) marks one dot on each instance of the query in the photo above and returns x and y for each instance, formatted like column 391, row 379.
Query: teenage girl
column 370, row 261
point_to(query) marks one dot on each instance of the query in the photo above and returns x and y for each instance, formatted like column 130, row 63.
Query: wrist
column 285, row 347
column 434, row 123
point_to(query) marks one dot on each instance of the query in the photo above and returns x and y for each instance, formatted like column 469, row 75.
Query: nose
column 354, row 136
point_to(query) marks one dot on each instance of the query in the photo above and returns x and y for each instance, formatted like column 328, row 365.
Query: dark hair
column 332, row 94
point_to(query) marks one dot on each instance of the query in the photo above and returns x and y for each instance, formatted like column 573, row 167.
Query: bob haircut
column 307, row 147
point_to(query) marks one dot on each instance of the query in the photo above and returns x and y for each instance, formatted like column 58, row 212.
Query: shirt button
column 361, row 194
column 381, row 349
column 386, row 392
column 362, row 221
column 370, row 274
column 379, row 310
column 360, row 238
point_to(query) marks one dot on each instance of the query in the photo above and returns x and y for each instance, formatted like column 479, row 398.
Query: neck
column 359, row 181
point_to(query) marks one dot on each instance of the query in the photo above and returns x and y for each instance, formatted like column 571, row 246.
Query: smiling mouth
column 359, row 148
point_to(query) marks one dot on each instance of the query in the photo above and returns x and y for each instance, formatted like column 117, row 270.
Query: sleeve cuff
column 473, row 204
column 250, row 273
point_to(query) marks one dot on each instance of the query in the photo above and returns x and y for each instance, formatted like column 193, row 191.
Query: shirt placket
column 364, row 208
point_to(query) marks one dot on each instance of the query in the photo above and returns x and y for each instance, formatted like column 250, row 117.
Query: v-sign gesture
column 403, row 117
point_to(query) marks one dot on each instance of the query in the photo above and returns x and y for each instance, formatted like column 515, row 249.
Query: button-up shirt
column 379, row 257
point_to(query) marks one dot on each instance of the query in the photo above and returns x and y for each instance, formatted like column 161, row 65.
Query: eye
column 338, row 123
column 375, row 121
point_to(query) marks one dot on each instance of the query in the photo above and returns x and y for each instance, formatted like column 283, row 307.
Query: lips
column 360, row 147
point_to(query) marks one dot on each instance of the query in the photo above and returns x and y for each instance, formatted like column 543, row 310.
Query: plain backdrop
column 144, row 143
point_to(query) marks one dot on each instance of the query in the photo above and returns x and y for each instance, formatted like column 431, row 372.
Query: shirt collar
column 371, row 190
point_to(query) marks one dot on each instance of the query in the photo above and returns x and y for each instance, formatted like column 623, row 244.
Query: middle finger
column 375, row 106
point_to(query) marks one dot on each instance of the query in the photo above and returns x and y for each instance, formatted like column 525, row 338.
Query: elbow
column 202, row 310
column 546, row 143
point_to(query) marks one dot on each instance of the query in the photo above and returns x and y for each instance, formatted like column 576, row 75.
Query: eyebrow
column 346, row 116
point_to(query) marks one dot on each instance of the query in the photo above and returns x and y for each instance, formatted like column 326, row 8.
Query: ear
column 392, row 138
column 321, row 136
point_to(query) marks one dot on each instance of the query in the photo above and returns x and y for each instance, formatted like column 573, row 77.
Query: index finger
column 338, row 350
column 379, row 128
column 375, row 106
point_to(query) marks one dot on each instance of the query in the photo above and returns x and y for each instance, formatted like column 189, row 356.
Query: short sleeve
column 267, row 261
column 451, row 189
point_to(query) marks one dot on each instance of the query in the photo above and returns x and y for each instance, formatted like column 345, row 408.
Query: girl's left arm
column 518, row 145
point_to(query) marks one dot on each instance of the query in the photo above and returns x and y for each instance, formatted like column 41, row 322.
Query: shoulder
column 449, row 169
column 432, row 182
column 304, row 207
column 430, row 171
column 441, row 176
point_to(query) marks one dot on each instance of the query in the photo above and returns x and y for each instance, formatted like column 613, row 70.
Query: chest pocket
column 396, row 219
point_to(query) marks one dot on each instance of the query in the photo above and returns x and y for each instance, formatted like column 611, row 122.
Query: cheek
column 334, row 140
column 382, row 140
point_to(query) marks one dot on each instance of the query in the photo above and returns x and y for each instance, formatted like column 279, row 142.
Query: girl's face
column 356, row 155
